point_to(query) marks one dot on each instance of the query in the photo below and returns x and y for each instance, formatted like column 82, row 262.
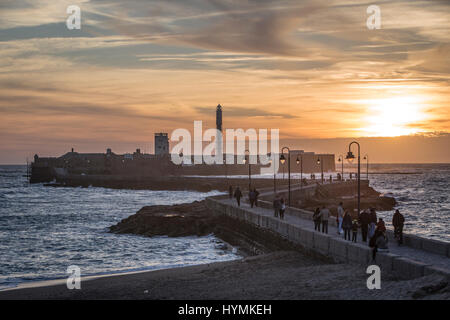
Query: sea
column 44, row 230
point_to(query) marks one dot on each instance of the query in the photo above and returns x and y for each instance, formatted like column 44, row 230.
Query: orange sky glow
column 310, row 68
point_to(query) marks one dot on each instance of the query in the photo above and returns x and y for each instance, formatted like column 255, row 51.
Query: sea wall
column 337, row 249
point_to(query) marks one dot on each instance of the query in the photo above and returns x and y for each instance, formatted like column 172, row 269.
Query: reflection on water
column 43, row 230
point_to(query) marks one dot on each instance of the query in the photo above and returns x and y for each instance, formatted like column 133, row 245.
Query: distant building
column 161, row 143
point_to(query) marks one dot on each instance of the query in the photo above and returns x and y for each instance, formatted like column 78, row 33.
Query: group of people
column 372, row 228
column 252, row 195
column 279, row 206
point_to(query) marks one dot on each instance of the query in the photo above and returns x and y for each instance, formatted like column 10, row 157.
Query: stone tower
column 161, row 143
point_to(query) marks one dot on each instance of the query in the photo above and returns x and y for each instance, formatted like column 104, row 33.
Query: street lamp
column 366, row 157
column 341, row 159
column 300, row 161
column 274, row 174
column 320, row 161
column 350, row 157
column 247, row 159
column 283, row 160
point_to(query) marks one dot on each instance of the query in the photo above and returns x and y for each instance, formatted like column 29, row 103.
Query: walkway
column 403, row 251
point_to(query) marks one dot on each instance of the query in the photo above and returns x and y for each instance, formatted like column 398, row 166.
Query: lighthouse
column 219, row 118
column 219, row 138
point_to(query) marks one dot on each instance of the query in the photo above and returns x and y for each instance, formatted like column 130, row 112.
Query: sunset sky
column 310, row 68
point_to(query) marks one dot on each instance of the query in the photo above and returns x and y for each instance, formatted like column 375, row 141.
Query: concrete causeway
column 416, row 258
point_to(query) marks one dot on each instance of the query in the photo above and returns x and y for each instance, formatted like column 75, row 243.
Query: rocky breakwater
column 195, row 219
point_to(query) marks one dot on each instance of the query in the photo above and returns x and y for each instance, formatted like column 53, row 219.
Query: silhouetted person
column 256, row 196
column 354, row 230
column 238, row 195
column 324, row 215
column 347, row 225
column 230, row 191
column 252, row 198
column 276, row 205
column 380, row 225
column 372, row 222
column 378, row 242
column 364, row 221
column 316, row 219
column 340, row 217
column 282, row 208
column 398, row 221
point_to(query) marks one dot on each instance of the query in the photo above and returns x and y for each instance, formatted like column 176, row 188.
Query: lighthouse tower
column 219, row 139
column 219, row 118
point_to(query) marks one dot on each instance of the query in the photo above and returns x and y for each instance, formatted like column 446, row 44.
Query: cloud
column 245, row 112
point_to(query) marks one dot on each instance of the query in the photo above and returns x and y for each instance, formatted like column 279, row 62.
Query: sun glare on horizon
column 393, row 117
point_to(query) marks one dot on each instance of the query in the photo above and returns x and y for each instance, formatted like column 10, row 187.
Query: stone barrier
column 340, row 250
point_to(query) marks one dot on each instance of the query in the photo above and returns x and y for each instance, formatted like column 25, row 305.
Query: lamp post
column 283, row 160
column 274, row 175
column 300, row 161
column 350, row 157
column 341, row 159
column 366, row 157
column 320, row 161
column 247, row 158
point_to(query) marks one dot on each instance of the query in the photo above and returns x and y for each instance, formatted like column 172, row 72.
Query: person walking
column 379, row 242
column 324, row 215
column 364, row 221
column 398, row 221
column 252, row 198
column 238, row 195
column 276, row 205
column 230, row 191
column 347, row 225
column 372, row 222
column 282, row 208
column 256, row 196
column 316, row 219
column 354, row 230
column 340, row 217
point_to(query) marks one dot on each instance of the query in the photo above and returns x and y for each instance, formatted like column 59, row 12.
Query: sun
column 392, row 117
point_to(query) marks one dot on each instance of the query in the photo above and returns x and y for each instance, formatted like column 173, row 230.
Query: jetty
column 417, row 257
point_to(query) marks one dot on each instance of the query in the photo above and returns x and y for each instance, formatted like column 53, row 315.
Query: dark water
column 44, row 230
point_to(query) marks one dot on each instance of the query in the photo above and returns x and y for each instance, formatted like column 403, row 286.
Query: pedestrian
column 347, row 225
column 282, row 208
column 256, row 196
column 324, row 215
column 317, row 219
column 354, row 230
column 398, row 221
column 372, row 222
column 276, row 205
column 252, row 198
column 230, row 191
column 379, row 242
column 340, row 217
column 364, row 221
column 381, row 226
column 238, row 195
